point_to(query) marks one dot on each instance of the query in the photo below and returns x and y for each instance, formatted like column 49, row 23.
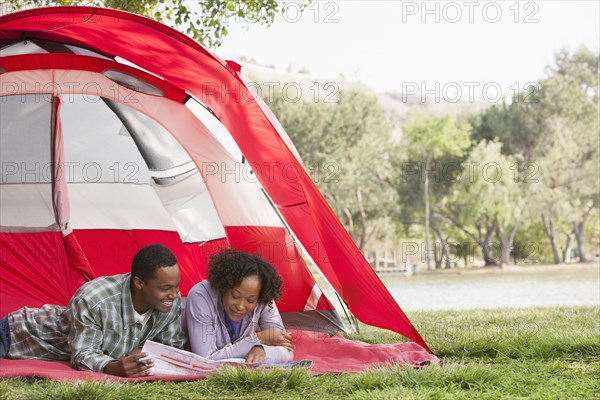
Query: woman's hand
column 276, row 337
column 256, row 355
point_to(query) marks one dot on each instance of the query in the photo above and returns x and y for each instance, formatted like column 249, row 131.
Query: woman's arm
column 278, row 343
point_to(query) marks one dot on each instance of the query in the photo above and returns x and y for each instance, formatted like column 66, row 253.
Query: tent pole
column 351, row 318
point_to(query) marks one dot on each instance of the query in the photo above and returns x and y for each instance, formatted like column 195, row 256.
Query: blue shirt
column 233, row 328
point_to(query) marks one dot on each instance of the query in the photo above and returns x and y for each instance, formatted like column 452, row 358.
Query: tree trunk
column 349, row 223
column 566, row 249
column 437, row 255
column 445, row 250
column 506, row 242
column 549, row 228
column 426, row 191
column 362, row 219
column 579, row 230
column 347, row 220
column 483, row 241
column 486, row 243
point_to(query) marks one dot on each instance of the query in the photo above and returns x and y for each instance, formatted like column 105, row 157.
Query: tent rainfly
column 117, row 132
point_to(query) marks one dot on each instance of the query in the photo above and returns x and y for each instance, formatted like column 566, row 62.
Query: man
column 107, row 320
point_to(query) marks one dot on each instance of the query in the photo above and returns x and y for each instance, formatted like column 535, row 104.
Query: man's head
column 149, row 259
column 154, row 279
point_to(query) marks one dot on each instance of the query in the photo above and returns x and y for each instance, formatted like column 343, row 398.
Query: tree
column 569, row 155
column 345, row 147
column 408, row 182
column 510, row 193
column 531, row 245
column 206, row 21
column 426, row 138
column 553, row 129
column 487, row 197
column 515, row 124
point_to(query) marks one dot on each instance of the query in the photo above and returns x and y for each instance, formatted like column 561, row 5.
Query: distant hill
column 307, row 87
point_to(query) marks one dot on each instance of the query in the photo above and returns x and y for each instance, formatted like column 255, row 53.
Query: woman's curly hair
column 229, row 267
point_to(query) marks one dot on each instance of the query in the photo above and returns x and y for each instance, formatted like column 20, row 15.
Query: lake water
column 492, row 290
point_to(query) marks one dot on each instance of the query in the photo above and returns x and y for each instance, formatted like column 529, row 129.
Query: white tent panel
column 117, row 206
column 25, row 137
column 216, row 128
column 43, row 47
column 25, row 162
column 23, row 47
column 240, row 199
column 26, row 205
column 233, row 185
column 96, row 148
column 191, row 209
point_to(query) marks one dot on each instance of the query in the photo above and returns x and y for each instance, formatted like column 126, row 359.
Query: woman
column 232, row 314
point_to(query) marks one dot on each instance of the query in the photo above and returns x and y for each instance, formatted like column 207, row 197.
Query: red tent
column 117, row 132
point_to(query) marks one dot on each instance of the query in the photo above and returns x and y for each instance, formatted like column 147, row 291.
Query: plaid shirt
column 98, row 326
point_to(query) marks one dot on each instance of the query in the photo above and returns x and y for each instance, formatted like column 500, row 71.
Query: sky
column 477, row 49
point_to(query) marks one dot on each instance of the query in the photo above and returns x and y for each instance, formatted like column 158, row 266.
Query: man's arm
column 86, row 337
column 131, row 365
column 85, row 341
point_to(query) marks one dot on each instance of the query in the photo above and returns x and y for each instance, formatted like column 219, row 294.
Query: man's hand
column 256, row 355
column 130, row 366
column 276, row 337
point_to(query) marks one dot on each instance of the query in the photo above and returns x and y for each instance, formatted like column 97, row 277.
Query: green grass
column 541, row 353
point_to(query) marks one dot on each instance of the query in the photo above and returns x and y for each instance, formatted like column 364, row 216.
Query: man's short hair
column 149, row 259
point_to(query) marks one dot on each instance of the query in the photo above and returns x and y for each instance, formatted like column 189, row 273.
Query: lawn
column 539, row 353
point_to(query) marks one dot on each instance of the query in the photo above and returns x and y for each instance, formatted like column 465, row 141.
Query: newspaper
column 172, row 361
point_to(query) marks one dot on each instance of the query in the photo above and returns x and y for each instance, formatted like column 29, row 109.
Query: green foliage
column 429, row 142
column 592, row 232
column 516, row 125
column 531, row 244
column 206, row 21
column 551, row 131
column 345, row 146
column 569, row 156
column 428, row 137
column 488, row 187
column 573, row 87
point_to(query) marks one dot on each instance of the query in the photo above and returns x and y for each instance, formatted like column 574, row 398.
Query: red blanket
column 329, row 354
column 338, row 354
